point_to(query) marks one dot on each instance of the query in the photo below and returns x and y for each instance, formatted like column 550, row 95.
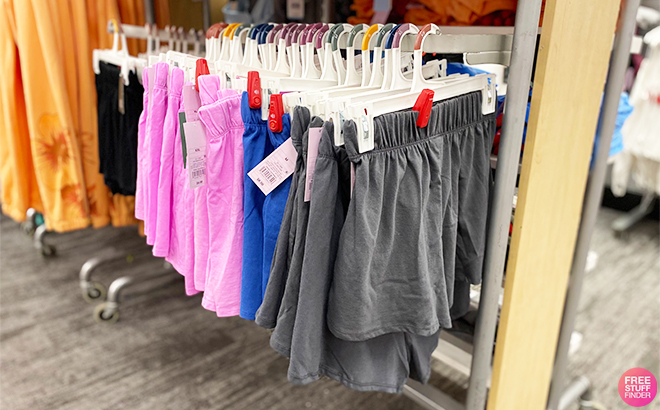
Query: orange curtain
column 48, row 128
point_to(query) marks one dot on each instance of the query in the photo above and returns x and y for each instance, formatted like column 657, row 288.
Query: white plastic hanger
column 116, row 56
column 293, row 50
column 281, row 63
column 313, row 43
column 363, row 113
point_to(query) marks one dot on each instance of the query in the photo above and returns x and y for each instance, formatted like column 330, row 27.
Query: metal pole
column 522, row 61
column 149, row 15
column 206, row 10
column 594, row 192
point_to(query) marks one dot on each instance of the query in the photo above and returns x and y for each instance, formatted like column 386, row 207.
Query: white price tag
column 276, row 168
column 196, row 150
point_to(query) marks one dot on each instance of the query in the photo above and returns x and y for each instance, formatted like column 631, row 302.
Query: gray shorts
column 280, row 299
column 416, row 221
column 380, row 364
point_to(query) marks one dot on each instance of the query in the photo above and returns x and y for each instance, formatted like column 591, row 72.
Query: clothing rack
column 515, row 48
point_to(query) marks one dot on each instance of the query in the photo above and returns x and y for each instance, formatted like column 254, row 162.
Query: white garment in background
column 641, row 131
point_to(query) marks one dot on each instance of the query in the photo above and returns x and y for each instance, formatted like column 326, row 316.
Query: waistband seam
column 224, row 132
column 418, row 142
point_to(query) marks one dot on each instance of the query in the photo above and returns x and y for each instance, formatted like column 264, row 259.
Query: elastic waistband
column 251, row 116
column 326, row 145
column 222, row 116
column 299, row 124
column 278, row 138
column 399, row 129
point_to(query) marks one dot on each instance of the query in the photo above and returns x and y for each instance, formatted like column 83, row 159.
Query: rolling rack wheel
column 45, row 249
column 30, row 225
column 94, row 292
column 106, row 313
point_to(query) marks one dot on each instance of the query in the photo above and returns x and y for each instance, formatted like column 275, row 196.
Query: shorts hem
column 354, row 385
column 247, row 315
column 279, row 348
column 160, row 252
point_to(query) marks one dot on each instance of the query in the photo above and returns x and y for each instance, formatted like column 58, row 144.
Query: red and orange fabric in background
column 48, row 128
column 442, row 12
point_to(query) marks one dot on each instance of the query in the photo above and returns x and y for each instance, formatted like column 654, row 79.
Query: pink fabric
column 209, row 85
column 224, row 132
column 164, row 204
column 182, row 238
column 142, row 129
column 154, row 142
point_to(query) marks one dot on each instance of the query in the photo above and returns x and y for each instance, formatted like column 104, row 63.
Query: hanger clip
column 423, row 105
column 254, row 89
column 201, row 68
column 275, row 113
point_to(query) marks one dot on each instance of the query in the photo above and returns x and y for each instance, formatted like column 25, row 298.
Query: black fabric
column 118, row 132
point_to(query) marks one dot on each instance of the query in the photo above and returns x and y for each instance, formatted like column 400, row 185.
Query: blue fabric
column 459, row 68
column 256, row 146
column 623, row 112
column 274, row 205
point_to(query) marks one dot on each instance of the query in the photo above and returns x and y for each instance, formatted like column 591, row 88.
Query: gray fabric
column 285, row 288
column 280, row 340
column 381, row 364
column 396, row 260
column 267, row 314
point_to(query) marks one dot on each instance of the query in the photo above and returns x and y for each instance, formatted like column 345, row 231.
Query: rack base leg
column 579, row 390
column 624, row 223
column 40, row 245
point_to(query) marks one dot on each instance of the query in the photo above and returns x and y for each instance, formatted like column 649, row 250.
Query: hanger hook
column 427, row 30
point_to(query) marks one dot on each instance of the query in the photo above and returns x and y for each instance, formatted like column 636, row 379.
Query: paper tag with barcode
column 276, row 168
column 196, row 149
column 312, row 153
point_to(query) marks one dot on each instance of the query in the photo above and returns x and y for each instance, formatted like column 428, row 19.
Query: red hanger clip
column 275, row 113
column 423, row 105
column 254, row 89
column 201, row 68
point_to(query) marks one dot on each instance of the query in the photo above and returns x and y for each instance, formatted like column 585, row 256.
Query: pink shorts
column 142, row 129
column 164, row 195
column 182, row 237
column 224, row 131
column 209, row 85
column 153, row 144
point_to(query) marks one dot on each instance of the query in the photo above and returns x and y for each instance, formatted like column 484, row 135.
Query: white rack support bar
column 141, row 32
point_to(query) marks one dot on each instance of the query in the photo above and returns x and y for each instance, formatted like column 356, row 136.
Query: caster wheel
column 28, row 228
column 101, row 316
column 95, row 293
column 48, row 251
